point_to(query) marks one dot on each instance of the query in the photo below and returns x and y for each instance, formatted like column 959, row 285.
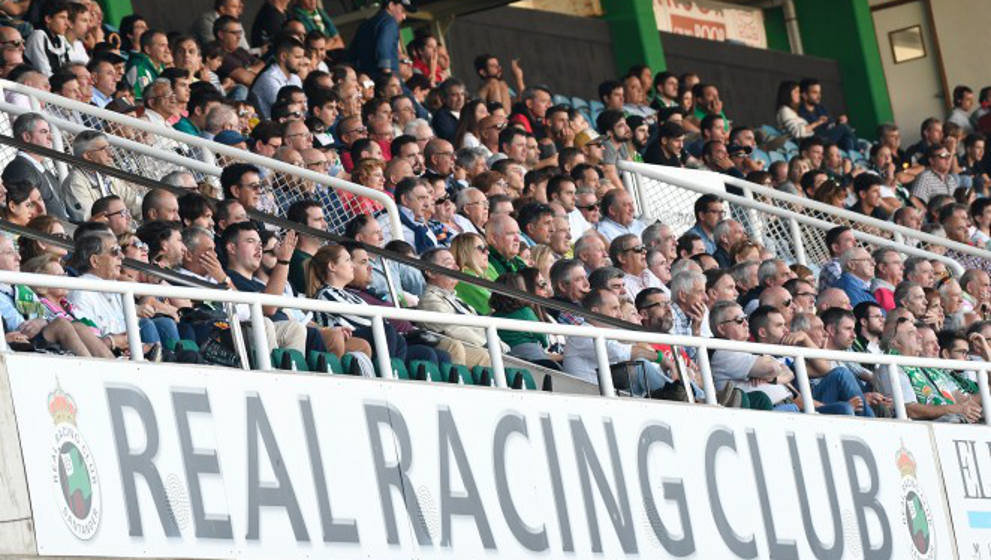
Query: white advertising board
column 715, row 21
column 167, row 461
column 965, row 459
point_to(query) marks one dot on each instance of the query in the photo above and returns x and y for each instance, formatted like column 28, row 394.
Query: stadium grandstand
column 479, row 278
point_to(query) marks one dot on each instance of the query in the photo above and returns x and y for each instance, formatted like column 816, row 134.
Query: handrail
column 213, row 147
column 658, row 173
column 491, row 324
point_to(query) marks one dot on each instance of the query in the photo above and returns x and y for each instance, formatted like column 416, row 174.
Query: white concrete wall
column 962, row 30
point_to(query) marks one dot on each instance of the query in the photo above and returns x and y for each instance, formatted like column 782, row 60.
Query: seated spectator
column 688, row 305
column 238, row 64
column 869, row 327
column 858, row 271
column 888, row 273
column 98, row 256
column 763, row 378
column 629, row 255
column 283, row 71
column 569, row 283
column 936, row 179
column 581, row 360
column 867, row 187
column 83, row 187
column 708, row 213
column 925, row 399
column 439, row 296
column 22, row 203
column 471, row 254
column 839, row 240
column 536, row 224
column 529, row 346
column 47, row 49
column 835, row 131
column 720, row 286
column 727, row 234
column 618, row 215
column 832, row 297
column 32, row 128
column 503, row 237
column 309, row 213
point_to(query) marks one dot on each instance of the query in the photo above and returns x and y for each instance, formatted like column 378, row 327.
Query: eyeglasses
column 100, row 149
column 308, row 135
column 317, row 165
column 123, row 212
column 484, row 203
column 497, row 126
column 254, row 186
column 588, row 208
column 442, row 200
column 638, row 249
column 114, row 251
column 61, row 236
column 138, row 244
column 481, row 248
column 739, row 320
column 805, row 294
column 786, row 303
column 16, row 43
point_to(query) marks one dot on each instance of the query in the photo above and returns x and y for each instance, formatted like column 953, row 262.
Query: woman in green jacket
column 471, row 252
column 529, row 346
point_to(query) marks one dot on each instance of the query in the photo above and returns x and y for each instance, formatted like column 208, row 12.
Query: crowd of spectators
column 493, row 180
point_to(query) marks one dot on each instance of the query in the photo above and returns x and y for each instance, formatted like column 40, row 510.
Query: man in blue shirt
column 375, row 47
column 708, row 212
column 858, row 270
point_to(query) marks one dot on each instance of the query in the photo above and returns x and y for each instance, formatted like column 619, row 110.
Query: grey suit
column 21, row 169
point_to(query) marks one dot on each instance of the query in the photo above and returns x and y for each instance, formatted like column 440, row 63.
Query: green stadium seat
column 188, row 345
column 452, row 372
column 482, row 375
column 289, row 359
column 423, row 370
column 398, row 369
column 324, row 362
column 520, row 378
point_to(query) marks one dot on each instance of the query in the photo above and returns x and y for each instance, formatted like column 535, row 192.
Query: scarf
column 421, row 234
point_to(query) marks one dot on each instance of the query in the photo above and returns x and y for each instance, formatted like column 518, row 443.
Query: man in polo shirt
column 617, row 215
column 144, row 67
column 503, row 236
column 936, row 179
column 708, row 213
column 238, row 64
column 284, row 71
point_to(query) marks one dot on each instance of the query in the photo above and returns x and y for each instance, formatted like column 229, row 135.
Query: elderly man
column 763, row 378
column 473, row 211
column 32, row 128
column 770, row 273
column 920, row 271
column 82, row 187
column 929, row 394
column 628, row 253
column 590, row 249
column 688, row 305
column 726, row 234
column 858, row 270
column 976, row 285
column 415, row 203
column 888, row 273
column 780, row 299
column 503, row 237
column 112, row 211
column 617, row 215
column 832, row 297
column 439, row 296
column 570, row 283
column 580, row 357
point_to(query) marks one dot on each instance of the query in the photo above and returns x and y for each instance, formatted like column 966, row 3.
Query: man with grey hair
column 691, row 316
column 82, row 187
column 590, row 249
column 771, row 272
column 160, row 107
column 220, row 118
column 726, row 234
column 889, row 271
column 419, row 129
column 32, row 128
column 745, row 275
column 181, row 179
column 468, row 164
column 858, row 270
column 473, row 211
column 920, row 271
column 660, row 268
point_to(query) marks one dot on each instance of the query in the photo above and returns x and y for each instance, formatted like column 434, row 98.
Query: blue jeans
column 837, row 408
column 158, row 329
column 786, row 407
column 839, row 386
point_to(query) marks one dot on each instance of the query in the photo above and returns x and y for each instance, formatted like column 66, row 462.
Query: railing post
column 702, row 355
column 756, row 225
column 495, row 356
column 799, row 244
column 390, row 282
column 4, row 347
column 899, row 238
column 896, row 392
column 381, row 348
column 263, row 361
column 804, row 387
column 686, row 380
column 606, row 388
column 982, row 384
column 133, row 329
column 631, row 181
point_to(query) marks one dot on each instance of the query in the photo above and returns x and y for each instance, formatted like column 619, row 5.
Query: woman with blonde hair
column 543, row 259
column 471, row 252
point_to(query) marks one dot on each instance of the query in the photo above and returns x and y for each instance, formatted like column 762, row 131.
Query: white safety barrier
column 287, row 181
column 793, row 227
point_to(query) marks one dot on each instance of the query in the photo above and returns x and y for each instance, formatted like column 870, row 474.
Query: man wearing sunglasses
column 83, row 187
column 629, row 254
column 936, row 179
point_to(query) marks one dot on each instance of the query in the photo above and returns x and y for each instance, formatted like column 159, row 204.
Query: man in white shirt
column 617, row 215
column 628, row 253
column 284, row 71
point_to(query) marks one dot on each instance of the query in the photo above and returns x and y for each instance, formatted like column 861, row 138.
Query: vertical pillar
column 635, row 37
column 114, row 10
column 844, row 30
column 775, row 30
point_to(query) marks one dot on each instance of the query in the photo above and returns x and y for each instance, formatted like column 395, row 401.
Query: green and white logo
column 915, row 512
column 75, row 483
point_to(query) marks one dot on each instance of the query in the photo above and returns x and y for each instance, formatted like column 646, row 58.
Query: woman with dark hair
column 467, row 135
column 30, row 248
column 132, row 26
column 23, row 203
column 529, row 346
column 787, row 104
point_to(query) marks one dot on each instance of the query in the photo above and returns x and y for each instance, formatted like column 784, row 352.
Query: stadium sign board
column 175, row 461
column 965, row 460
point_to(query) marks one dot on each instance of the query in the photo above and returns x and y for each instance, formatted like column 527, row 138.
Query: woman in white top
column 80, row 21
column 788, row 119
column 467, row 135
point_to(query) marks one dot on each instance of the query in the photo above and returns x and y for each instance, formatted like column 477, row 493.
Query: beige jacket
column 82, row 188
column 436, row 299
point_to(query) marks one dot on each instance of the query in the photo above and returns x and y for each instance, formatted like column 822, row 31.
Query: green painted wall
column 774, row 28
column 634, row 34
column 114, row 10
column 843, row 30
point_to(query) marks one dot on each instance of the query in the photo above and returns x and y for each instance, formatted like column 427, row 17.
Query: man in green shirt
column 200, row 104
column 503, row 236
column 144, row 67
column 309, row 213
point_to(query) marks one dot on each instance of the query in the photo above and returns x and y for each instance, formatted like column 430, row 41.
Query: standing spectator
column 375, row 46
column 531, row 112
column 268, row 22
column 494, row 88
column 314, row 18
column 203, row 26
column 47, row 49
column 284, row 71
column 32, row 128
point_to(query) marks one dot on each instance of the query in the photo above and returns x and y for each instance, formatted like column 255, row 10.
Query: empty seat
column 324, row 362
column 562, row 99
column 423, row 370
column 289, row 359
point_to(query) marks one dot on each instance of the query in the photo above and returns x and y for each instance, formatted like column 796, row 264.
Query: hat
column 230, row 137
column 587, row 136
column 408, row 4
column 737, row 149
column 120, row 105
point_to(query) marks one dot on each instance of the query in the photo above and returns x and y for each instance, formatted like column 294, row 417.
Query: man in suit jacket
column 83, row 187
column 34, row 129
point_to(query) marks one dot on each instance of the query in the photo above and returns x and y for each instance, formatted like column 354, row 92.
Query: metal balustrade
column 788, row 228
column 257, row 301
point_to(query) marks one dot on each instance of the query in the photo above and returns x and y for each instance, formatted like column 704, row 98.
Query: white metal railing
column 787, row 232
column 802, row 205
column 379, row 314
column 207, row 148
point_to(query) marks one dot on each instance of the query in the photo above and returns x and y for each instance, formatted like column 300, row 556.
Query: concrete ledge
column 16, row 528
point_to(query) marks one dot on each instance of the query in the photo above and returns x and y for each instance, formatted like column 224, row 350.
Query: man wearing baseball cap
column 375, row 47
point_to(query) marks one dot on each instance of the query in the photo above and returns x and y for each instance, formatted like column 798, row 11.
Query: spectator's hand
column 15, row 336
column 211, row 264
column 877, row 398
column 145, row 310
column 284, row 250
column 979, row 345
column 972, row 411
column 516, row 69
column 346, row 332
column 800, row 338
column 696, row 313
column 857, row 403
column 822, row 120
column 33, row 327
